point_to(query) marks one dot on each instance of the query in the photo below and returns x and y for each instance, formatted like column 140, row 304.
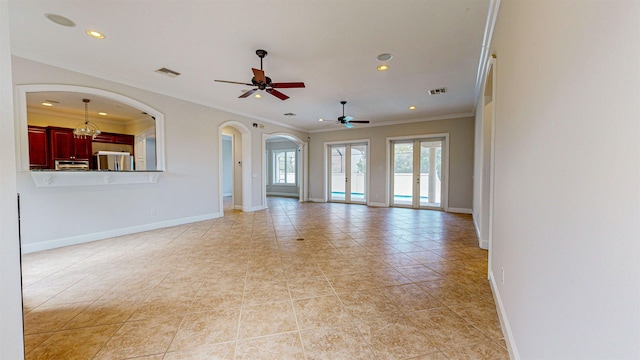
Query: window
column 284, row 167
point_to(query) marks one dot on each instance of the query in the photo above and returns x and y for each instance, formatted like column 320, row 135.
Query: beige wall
column 566, row 226
column 461, row 133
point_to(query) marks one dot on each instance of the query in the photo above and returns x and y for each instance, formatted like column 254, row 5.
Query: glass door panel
column 417, row 173
column 357, row 178
column 403, row 183
column 430, row 173
column 338, row 167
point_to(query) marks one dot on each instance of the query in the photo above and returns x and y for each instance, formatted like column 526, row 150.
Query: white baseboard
column 257, row 208
column 504, row 321
column 238, row 207
column 482, row 243
column 81, row 239
column 294, row 195
column 316, row 200
column 459, row 210
column 377, row 204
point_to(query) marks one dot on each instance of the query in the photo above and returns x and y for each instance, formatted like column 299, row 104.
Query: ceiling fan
column 348, row 120
column 264, row 82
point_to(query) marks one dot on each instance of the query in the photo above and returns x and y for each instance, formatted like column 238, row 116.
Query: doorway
column 227, row 171
column 347, row 170
column 418, row 172
column 241, row 169
column 285, row 167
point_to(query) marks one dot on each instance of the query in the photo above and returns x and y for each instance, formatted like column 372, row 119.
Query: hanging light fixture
column 87, row 128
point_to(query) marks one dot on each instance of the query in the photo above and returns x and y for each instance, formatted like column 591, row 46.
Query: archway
column 302, row 165
column 242, row 163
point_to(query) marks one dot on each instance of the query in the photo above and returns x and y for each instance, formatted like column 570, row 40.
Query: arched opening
column 133, row 117
column 283, row 180
column 241, row 167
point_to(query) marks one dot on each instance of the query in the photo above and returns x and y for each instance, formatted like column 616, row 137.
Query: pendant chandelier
column 86, row 129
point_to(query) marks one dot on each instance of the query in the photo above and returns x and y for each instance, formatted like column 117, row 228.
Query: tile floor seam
column 181, row 321
column 109, row 339
column 244, row 289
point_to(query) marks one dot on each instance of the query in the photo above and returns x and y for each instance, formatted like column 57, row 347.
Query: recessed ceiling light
column 60, row 20
column 257, row 96
column 102, row 113
column 47, row 104
column 95, row 34
column 384, row 57
column 383, row 67
column 321, row 119
column 412, row 107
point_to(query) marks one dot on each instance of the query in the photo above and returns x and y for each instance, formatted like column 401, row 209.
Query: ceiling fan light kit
column 348, row 120
column 263, row 82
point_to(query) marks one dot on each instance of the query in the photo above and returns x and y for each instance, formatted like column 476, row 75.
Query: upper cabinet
column 66, row 146
column 38, row 147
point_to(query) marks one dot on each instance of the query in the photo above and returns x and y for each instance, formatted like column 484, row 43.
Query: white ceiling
column 331, row 45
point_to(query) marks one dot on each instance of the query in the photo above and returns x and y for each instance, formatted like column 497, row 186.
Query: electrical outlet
column 502, row 275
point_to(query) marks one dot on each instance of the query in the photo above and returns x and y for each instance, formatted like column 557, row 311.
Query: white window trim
column 274, row 154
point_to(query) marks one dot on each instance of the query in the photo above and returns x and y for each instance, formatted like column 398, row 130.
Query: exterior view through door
column 348, row 173
column 417, row 174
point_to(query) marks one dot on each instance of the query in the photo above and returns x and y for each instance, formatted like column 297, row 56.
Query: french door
column 417, row 173
column 347, row 178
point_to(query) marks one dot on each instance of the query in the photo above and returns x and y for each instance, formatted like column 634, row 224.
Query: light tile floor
column 297, row 281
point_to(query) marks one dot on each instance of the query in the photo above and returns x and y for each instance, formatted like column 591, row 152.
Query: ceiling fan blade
column 248, row 93
column 359, row 121
column 348, row 125
column 233, row 82
column 347, row 118
column 259, row 76
column 277, row 94
column 283, row 85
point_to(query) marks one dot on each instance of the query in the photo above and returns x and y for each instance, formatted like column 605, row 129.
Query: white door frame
column 445, row 165
column 491, row 69
column 326, row 173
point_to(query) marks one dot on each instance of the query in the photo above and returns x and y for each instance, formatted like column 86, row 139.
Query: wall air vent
column 438, row 91
column 167, row 72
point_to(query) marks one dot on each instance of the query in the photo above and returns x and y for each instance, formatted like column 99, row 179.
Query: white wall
column 11, row 342
column 187, row 190
column 567, row 178
column 461, row 132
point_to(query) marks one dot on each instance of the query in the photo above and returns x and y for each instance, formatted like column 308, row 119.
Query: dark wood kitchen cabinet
column 65, row 146
column 38, row 147
column 113, row 138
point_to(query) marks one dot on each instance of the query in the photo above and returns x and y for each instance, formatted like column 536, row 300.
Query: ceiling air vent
column 289, row 114
column 167, row 72
column 438, row 91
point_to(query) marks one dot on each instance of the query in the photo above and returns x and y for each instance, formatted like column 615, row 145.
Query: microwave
column 72, row 164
